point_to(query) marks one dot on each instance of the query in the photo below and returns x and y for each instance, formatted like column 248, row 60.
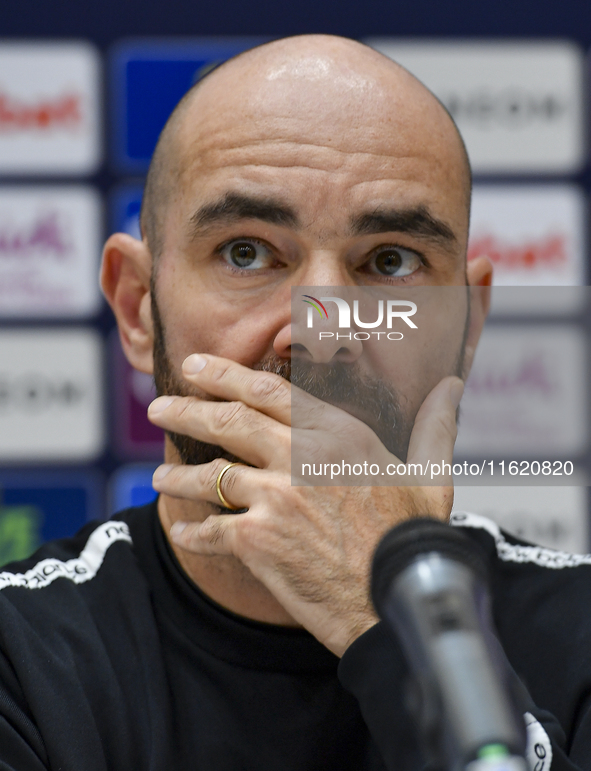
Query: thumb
column 435, row 428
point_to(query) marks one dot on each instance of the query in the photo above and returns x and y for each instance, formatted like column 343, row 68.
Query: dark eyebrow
column 416, row 222
column 235, row 206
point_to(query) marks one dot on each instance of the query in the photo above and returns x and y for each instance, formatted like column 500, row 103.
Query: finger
column 435, row 428
column 200, row 482
column 264, row 391
column 218, row 534
column 239, row 429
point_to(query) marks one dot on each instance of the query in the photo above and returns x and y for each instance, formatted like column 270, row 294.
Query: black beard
column 342, row 385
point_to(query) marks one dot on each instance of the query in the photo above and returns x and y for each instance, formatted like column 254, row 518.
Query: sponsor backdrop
column 79, row 118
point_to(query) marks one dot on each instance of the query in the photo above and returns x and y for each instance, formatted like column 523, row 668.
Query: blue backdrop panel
column 126, row 202
column 40, row 506
column 131, row 486
column 148, row 79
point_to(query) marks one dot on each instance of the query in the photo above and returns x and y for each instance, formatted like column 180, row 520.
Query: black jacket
column 111, row 659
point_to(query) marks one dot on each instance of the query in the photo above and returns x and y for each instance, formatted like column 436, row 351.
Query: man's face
column 289, row 182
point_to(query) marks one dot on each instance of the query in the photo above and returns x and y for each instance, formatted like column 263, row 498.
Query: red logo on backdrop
column 546, row 252
column 45, row 234
column 62, row 112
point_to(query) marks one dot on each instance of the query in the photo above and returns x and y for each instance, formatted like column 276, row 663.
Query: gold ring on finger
column 218, row 487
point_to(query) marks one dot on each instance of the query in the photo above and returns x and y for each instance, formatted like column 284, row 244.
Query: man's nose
column 325, row 342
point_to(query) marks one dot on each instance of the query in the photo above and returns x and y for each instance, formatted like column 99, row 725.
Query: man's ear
column 479, row 272
column 125, row 279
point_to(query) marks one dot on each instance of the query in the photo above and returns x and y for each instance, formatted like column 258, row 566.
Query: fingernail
column 162, row 471
column 177, row 529
column 160, row 404
column 456, row 392
column 194, row 364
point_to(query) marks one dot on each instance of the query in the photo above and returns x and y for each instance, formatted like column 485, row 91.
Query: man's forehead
column 303, row 183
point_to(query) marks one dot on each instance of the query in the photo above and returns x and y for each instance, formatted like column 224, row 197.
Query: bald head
column 333, row 91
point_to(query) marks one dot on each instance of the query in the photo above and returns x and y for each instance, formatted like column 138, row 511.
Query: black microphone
column 429, row 584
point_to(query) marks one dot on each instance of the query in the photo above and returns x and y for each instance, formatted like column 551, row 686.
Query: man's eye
column 247, row 254
column 394, row 261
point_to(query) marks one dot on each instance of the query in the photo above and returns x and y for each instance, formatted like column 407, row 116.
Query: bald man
column 228, row 625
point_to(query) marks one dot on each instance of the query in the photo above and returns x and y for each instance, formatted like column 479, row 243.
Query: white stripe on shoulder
column 508, row 552
column 539, row 746
column 78, row 569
